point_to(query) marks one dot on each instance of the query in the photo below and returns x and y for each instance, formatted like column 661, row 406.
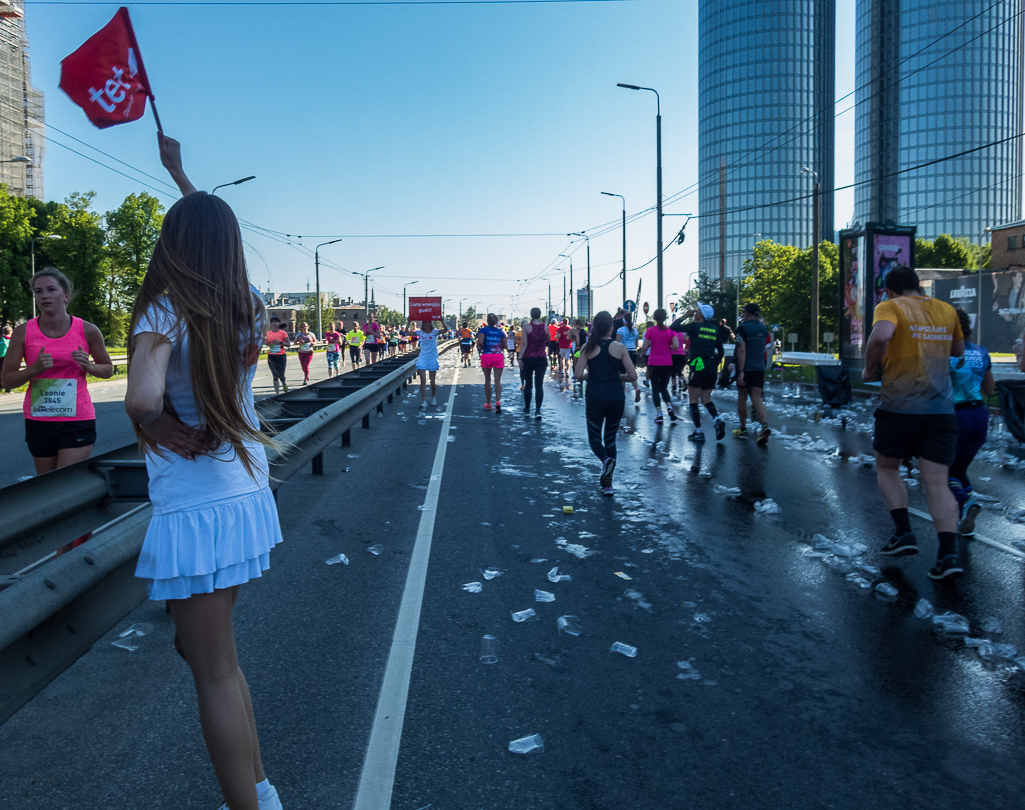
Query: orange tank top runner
column 58, row 394
column 276, row 341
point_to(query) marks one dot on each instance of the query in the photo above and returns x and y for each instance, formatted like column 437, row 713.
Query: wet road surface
column 763, row 677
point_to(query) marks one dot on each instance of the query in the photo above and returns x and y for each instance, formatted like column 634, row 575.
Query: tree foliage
column 81, row 255
column 15, row 235
column 948, row 253
column 779, row 279
column 308, row 312
column 132, row 232
column 390, row 317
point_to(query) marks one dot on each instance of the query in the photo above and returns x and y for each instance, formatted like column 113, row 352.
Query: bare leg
column 487, row 386
column 895, row 494
column 759, row 405
column 942, row 504
column 204, row 626
column 742, row 407
column 498, row 385
column 434, row 385
column 423, row 384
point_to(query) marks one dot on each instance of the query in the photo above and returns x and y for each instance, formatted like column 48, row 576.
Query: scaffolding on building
column 22, row 132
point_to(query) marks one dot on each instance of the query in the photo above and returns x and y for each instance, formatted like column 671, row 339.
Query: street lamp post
column 610, row 194
column 587, row 239
column 33, row 250
column 411, row 283
column 815, row 259
column 564, row 256
column 658, row 179
column 316, row 264
column 236, row 182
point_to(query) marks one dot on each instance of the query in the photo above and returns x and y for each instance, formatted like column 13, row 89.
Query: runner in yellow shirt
column 354, row 340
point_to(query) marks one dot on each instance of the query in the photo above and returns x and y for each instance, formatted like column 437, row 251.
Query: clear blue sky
column 372, row 121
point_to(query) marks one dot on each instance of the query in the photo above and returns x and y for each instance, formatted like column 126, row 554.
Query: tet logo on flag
column 106, row 77
column 425, row 308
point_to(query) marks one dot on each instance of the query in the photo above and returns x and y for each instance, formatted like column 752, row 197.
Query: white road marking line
column 378, row 776
column 980, row 538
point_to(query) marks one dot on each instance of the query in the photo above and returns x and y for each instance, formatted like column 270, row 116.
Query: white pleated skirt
column 209, row 547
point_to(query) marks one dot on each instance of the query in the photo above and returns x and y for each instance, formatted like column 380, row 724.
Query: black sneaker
column 697, row 436
column 537, row 414
column 607, row 467
column 720, row 429
column 671, row 412
column 948, row 567
column 526, row 411
column 900, row 546
column 637, row 395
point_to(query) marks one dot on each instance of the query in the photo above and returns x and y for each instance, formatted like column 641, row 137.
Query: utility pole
column 815, row 258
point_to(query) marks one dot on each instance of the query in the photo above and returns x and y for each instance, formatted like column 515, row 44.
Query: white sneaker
column 434, row 401
column 423, row 405
column 270, row 800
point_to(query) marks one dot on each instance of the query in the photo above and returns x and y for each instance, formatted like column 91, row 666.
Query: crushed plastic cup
column 543, row 596
column 528, row 745
column 623, row 575
column 524, row 615
column 567, row 510
column 570, row 625
column 338, row 558
column 555, row 576
column 993, row 626
column 624, row 649
column 859, row 579
column 491, row 573
column 376, row 549
column 489, row 649
column 768, row 507
column 923, row 609
column 473, row 587
column 887, row 590
column 129, row 639
column 729, row 492
column 951, row 624
column 822, row 543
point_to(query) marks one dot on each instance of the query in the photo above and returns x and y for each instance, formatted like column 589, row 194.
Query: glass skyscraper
column 765, row 111
column 933, row 82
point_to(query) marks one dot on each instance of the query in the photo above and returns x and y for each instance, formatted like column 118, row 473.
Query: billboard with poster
column 425, row 308
column 994, row 303
column 866, row 256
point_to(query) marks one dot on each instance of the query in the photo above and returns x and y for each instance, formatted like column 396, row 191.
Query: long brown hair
column 198, row 277
column 601, row 327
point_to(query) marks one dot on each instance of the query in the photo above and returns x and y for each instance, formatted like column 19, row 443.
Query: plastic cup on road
column 625, row 649
column 570, row 625
column 489, row 649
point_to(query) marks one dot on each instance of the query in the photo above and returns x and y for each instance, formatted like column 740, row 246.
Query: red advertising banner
column 425, row 308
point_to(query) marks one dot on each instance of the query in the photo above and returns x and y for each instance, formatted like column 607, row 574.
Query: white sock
column 262, row 788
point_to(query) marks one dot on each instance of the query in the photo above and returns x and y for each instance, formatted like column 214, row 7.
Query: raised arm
column 171, row 157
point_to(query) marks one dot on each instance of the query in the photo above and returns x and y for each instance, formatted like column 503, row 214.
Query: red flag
column 105, row 77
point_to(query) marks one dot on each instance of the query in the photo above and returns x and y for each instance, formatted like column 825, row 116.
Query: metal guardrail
column 52, row 613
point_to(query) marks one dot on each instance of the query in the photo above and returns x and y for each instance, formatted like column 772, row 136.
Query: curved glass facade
column 961, row 92
column 766, row 92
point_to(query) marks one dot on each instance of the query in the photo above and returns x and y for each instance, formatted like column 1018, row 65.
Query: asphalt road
column 763, row 676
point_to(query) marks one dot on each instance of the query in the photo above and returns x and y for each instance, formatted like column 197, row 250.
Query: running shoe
column 948, row 567
column 967, row 524
column 900, row 545
column 537, row 414
column 671, row 412
column 607, row 467
column 526, row 411
column 284, row 385
column 740, row 433
column 637, row 395
column 763, row 437
column 498, row 406
column 658, row 417
column 720, row 429
column 270, row 801
column 423, row 406
column 697, row 436
column 434, row 401
column 608, row 491
column 487, row 406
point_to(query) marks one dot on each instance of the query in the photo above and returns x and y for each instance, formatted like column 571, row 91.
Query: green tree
column 390, row 317
column 15, row 235
column 81, row 255
column 946, row 253
column 779, row 277
column 308, row 312
column 132, row 232
column 470, row 316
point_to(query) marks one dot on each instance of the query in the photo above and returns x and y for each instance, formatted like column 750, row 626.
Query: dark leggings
column 534, row 378
column 972, row 424
column 660, row 376
column 603, row 417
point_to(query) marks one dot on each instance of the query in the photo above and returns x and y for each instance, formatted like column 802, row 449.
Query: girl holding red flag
column 196, row 335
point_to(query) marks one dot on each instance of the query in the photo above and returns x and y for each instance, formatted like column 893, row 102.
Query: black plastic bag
column 834, row 385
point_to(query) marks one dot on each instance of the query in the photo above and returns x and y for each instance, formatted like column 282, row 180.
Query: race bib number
column 52, row 398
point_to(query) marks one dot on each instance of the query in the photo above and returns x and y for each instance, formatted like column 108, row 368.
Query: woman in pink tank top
column 60, row 422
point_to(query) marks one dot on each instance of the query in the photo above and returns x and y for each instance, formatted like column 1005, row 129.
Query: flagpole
column 156, row 115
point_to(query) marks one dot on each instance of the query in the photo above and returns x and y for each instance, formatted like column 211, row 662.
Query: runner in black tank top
column 607, row 366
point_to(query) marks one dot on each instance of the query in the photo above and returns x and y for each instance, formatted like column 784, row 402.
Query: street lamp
column 588, row 240
column 19, row 159
column 235, row 183
column 610, row 194
column 658, row 177
column 746, row 235
column 33, row 251
column 316, row 263
column 815, row 259
column 410, row 284
column 566, row 256
column 366, row 290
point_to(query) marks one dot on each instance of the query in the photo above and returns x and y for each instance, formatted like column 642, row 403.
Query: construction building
column 22, row 136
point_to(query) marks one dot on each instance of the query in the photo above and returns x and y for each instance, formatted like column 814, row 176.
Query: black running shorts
column 754, row 379
column 929, row 436
column 44, row 438
column 704, row 379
